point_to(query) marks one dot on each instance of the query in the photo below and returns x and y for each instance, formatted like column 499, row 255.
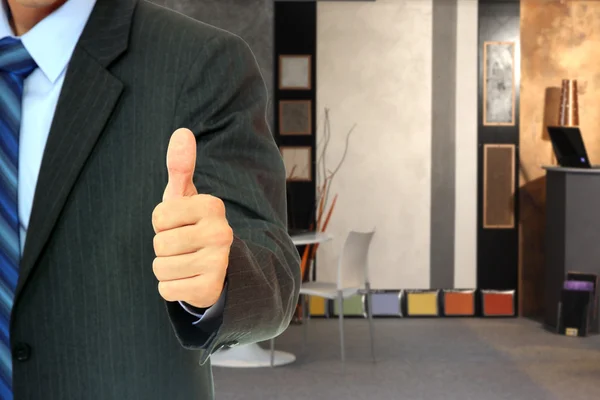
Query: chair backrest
column 353, row 269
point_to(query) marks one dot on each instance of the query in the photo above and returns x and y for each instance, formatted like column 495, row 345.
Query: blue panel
column 386, row 304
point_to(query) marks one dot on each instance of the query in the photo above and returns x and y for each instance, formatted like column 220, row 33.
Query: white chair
column 352, row 278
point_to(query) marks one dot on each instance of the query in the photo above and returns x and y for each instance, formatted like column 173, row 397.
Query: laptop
column 569, row 147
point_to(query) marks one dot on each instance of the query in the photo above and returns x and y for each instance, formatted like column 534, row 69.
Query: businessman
column 142, row 200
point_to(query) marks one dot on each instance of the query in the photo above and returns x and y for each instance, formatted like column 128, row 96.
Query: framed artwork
column 297, row 161
column 295, row 117
column 295, row 72
column 499, row 186
column 499, row 83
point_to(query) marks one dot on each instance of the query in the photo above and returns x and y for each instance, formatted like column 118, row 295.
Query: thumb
column 181, row 162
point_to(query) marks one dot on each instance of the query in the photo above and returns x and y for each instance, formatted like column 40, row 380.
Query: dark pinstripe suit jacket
column 88, row 322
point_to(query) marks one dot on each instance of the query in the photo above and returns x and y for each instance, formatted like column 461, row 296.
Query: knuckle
column 215, row 205
column 159, row 245
column 165, row 291
column 224, row 236
column 157, row 268
column 158, row 217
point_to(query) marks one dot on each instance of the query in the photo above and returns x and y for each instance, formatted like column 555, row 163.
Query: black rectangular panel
column 498, row 249
column 295, row 50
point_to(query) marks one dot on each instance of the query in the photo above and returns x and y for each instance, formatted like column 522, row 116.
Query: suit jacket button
column 21, row 352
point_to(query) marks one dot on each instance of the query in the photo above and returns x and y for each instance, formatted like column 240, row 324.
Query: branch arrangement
column 325, row 178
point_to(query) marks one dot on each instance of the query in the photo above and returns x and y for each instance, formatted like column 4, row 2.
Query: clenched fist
column 193, row 237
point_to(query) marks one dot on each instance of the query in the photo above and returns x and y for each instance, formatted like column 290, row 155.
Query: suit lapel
column 88, row 97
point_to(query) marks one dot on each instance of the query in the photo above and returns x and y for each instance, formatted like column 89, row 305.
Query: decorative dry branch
column 325, row 176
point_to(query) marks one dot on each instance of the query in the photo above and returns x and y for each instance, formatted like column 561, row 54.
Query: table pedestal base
column 249, row 356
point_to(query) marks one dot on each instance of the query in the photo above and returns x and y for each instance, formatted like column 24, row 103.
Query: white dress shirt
column 51, row 43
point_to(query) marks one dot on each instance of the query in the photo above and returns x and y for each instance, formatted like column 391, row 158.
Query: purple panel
column 579, row 285
column 386, row 304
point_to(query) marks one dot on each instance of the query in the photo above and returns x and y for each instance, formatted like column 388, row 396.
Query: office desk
column 572, row 231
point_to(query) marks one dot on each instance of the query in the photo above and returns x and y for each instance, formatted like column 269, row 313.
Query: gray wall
column 250, row 19
column 443, row 134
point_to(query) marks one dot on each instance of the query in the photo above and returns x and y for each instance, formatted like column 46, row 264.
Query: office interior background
column 425, row 122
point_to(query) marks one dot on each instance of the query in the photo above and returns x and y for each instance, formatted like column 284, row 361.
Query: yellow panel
column 425, row 304
column 316, row 305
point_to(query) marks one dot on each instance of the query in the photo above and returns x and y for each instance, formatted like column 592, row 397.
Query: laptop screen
column 568, row 147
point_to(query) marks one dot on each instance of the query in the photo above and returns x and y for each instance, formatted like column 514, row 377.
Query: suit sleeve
column 223, row 101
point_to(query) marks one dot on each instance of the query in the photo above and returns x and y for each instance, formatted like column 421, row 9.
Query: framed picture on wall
column 499, row 186
column 499, row 92
column 297, row 161
column 295, row 72
column 295, row 117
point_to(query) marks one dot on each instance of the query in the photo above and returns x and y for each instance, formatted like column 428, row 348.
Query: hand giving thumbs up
column 193, row 237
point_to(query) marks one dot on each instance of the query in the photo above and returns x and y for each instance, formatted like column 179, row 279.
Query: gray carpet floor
column 424, row 359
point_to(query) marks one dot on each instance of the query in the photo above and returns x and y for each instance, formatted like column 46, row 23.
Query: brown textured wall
column 560, row 39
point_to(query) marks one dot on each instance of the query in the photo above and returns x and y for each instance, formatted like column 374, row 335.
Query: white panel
column 465, row 251
column 374, row 69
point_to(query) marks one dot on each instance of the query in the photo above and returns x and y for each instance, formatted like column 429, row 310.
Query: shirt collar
column 52, row 41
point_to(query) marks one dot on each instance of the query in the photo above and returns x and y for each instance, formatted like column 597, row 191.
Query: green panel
column 353, row 306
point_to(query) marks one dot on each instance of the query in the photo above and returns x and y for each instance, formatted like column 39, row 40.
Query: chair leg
column 341, row 319
column 272, row 352
column 305, row 317
column 371, row 327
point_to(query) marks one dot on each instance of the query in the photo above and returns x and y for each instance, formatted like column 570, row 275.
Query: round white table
column 252, row 355
column 310, row 238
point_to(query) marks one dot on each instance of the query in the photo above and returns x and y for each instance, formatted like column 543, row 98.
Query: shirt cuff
column 216, row 310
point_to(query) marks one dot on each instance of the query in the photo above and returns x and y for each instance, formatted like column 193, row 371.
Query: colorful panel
column 459, row 303
column 422, row 303
column 498, row 303
column 317, row 306
column 386, row 304
column 353, row 306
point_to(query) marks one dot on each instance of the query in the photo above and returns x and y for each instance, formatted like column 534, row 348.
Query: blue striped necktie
column 15, row 65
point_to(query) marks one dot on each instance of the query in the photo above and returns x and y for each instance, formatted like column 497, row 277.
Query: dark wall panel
column 498, row 115
column 296, row 35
